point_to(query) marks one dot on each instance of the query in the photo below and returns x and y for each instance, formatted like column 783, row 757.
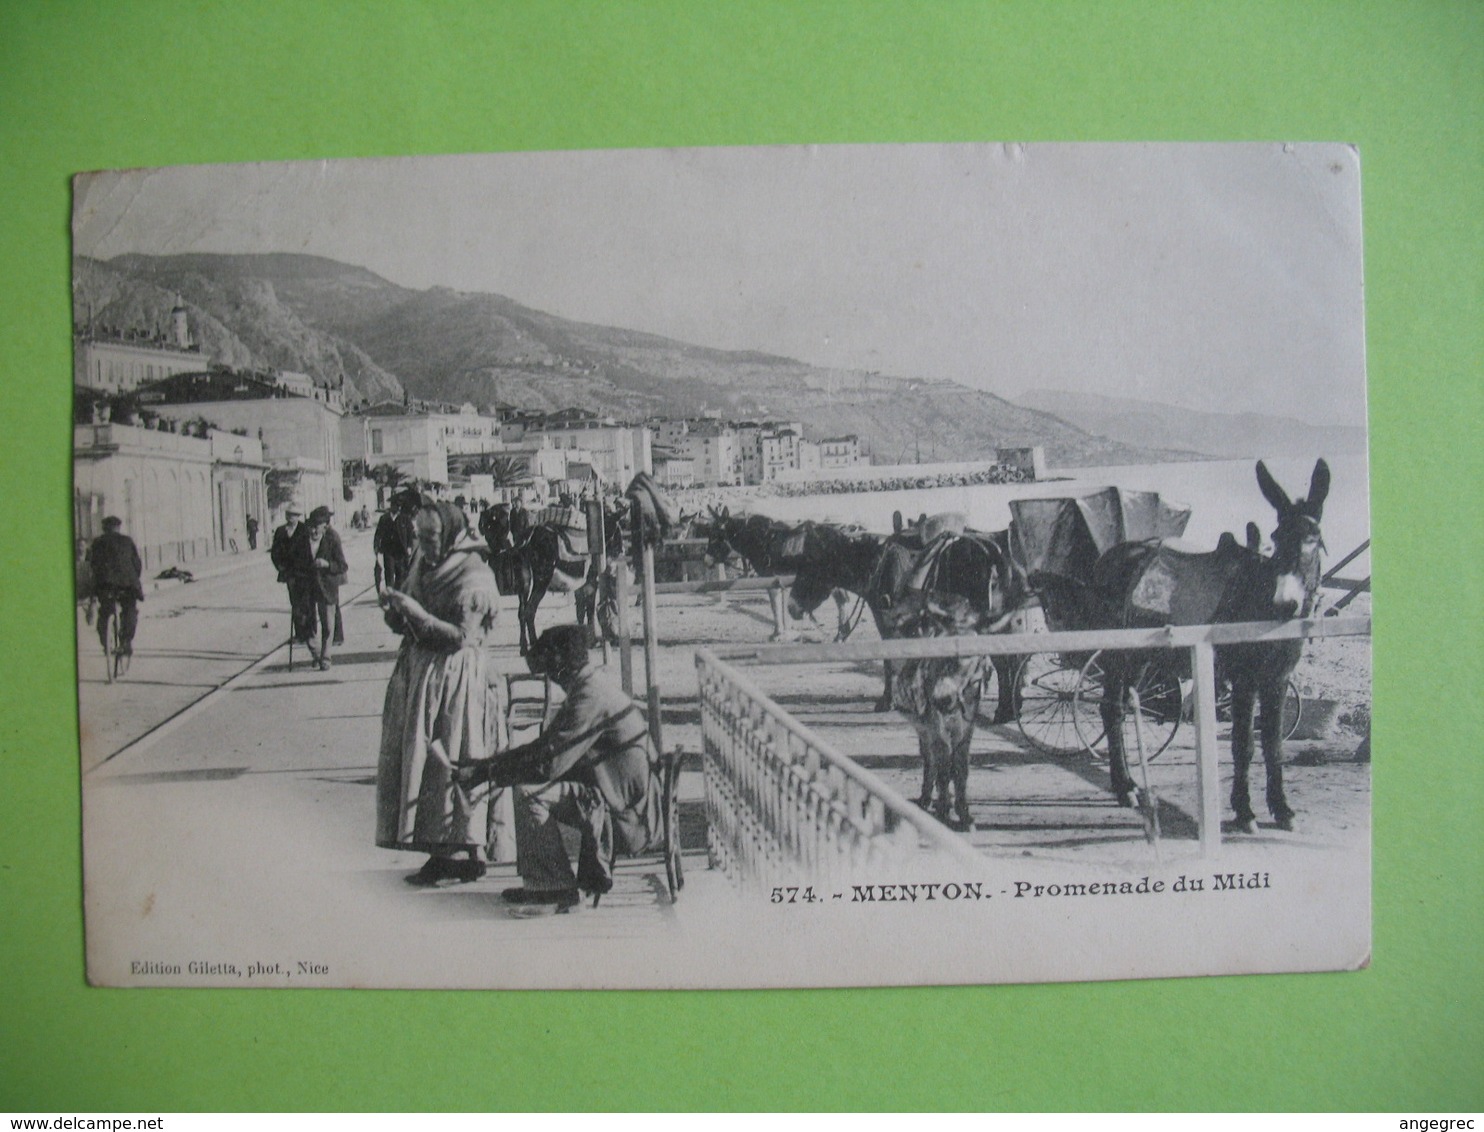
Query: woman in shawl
column 440, row 710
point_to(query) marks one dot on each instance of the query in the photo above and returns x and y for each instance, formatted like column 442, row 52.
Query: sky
column 1215, row 276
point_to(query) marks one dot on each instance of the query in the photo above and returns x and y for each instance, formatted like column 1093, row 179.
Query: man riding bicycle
column 116, row 582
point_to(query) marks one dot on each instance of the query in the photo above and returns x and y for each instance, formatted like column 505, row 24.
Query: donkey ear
column 896, row 522
column 1318, row 489
column 1270, row 489
column 1254, row 537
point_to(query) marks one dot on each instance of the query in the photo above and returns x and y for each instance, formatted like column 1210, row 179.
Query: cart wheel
column 1293, row 709
column 1046, row 688
column 1159, row 697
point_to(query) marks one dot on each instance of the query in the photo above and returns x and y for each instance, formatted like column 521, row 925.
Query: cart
column 1057, row 541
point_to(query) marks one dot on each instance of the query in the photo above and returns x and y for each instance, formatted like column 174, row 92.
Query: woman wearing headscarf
column 441, row 711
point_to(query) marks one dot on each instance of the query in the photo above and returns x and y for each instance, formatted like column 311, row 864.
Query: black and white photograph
column 795, row 566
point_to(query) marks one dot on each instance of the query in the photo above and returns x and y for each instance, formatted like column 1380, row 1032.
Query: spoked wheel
column 1293, row 707
column 108, row 631
column 1159, row 699
column 115, row 662
column 1050, row 715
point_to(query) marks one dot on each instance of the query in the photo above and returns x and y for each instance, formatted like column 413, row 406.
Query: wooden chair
column 668, row 853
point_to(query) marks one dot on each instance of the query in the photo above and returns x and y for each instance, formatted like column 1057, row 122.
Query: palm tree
column 388, row 476
column 505, row 471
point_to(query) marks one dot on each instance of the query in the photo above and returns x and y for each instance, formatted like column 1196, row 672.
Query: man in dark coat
column 116, row 572
column 317, row 560
column 252, row 533
column 520, row 521
column 393, row 542
column 593, row 768
column 280, row 553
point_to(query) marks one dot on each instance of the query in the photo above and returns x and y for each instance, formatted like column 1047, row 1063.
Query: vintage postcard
column 790, row 566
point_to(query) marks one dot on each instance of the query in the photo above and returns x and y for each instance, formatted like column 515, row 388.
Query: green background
column 95, row 85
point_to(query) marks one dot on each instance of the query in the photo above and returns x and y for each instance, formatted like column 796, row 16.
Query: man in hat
column 593, row 769
column 280, row 553
column 394, row 540
column 317, row 559
column 116, row 572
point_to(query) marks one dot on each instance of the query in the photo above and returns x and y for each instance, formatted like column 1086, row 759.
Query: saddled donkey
column 882, row 571
column 1148, row 584
column 547, row 561
column 940, row 696
column 768, row 547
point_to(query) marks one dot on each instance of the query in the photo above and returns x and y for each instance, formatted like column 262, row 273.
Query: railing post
column 1207, row 774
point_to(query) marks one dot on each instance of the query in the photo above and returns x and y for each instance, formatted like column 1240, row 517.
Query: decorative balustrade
column 783, row 805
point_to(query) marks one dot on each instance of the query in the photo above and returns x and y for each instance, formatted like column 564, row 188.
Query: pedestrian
column 116, row 568
column 280, row 553
column 318, row 560
column 87, row 598
column 393, row 542
column 441, row 711
column 593, row 769
column 520, row 522
column 252, row 533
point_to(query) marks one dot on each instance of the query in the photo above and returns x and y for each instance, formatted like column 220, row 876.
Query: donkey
column 940, row 696
column 881, row 572
column 769, row 548
column 535, row 568
column 1232, row 584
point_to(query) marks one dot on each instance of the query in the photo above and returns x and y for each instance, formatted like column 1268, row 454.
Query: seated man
column 593, row 768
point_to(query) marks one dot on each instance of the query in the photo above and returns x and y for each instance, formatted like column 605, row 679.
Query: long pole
column 651, row 649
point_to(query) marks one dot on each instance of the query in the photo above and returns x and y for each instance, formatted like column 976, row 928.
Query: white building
column 300, row 435
column 618, row 452
column 119, row 365
column 413, row 443
column 840, row 452
column 181, row 498
column 716, row 454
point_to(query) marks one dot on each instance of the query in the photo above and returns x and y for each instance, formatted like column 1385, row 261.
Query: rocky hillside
column 343, row 323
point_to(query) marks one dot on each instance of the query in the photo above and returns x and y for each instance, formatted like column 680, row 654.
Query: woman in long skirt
column 441, row 710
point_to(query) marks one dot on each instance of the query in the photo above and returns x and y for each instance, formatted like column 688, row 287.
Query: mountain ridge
column 344, row 324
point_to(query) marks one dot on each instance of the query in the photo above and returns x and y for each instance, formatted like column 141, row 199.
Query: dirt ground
column 1023, row 801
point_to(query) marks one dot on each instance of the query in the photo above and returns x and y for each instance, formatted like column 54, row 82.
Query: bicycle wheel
column 1046, row 690
column 120, row 659
column 108, row 624
column 1159, row 700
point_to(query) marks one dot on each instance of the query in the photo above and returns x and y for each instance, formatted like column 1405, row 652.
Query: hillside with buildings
column 351, row 330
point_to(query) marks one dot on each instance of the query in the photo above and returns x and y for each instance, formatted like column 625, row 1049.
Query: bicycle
column 115, row 659
column 111, row 607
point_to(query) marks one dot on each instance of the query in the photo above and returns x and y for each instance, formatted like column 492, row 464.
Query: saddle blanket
column 1179, row 586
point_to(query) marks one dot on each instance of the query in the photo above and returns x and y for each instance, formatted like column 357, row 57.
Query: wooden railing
column 764, row 761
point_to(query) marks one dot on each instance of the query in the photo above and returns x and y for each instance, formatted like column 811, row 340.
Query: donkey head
column 1297, row 541
column 719, row 532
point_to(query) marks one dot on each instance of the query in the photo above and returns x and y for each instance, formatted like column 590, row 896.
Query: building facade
column 180, row 497
column 123, row 364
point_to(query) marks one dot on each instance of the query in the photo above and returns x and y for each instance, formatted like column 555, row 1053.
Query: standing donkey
column 940, row 696
column 1147, row 585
